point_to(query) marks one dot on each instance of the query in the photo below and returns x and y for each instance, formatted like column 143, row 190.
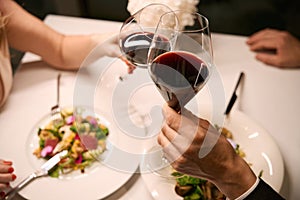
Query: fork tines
column 56, row 115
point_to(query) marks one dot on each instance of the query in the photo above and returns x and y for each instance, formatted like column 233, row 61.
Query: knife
column 234, row 96
column 45, row 168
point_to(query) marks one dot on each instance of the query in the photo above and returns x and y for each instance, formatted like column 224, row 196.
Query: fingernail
column 7, row 162
column 7, row 184
column 10, row 170
column 13, row 177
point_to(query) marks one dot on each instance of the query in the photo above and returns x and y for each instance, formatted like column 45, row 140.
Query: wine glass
column 180, row 73
column 137, row 32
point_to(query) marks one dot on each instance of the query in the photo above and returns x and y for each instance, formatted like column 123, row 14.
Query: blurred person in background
column 276, row 47
column 24, row 32
column 232, row 17
column 274, row 34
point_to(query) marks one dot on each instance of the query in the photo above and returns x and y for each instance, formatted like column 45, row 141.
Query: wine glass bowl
column 137, row 32
column 178, row 75
column 182, row 71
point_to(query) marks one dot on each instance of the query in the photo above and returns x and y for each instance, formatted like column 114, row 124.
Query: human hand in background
column 105, row 44
column 284, row 48
column 6, row 175
column 77, row 47
column 182, row 138
column 111, row 48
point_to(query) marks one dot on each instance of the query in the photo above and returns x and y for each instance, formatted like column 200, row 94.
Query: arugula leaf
column 189, row 180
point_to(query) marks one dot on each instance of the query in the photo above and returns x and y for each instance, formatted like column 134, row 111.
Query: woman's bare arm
column 28, row 33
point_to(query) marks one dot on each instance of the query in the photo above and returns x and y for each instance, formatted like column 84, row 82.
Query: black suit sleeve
column 263, row 192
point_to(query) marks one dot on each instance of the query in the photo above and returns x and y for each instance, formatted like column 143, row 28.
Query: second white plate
column 260, row 149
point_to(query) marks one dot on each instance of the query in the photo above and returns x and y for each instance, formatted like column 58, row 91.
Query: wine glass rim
column 146, row 6
column 151, row 4
column 178, row 28
column 133, row 16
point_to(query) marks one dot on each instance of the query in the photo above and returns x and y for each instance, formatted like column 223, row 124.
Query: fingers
column 267, row 46
column 177, row 121
column 6, row 168
column 172, row 118
column 169, row 136
column 268, row 59
column 169, row 133
column 268, row 43
column 187, row 129
column 193, row 139
column 6, row 175
column 264, row 40
column 182, row 122
column 178, row 142
column 5, row 179
column 169, row 149
column 263, row 34
column 130, row 66
column 108, row 42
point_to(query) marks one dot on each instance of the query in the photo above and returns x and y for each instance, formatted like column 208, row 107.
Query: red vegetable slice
column 51, row 142
column 89, row 142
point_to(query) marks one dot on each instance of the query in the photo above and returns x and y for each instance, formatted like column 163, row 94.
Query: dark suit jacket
column 263, row 192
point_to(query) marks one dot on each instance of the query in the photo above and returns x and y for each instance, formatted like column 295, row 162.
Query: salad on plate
column 191, row 188
column 83, row 135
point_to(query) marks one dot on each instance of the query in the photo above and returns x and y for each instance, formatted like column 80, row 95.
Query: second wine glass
column 137, row 32
column 180, row 72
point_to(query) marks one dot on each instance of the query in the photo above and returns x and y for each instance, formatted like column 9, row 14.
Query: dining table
column 268, row 95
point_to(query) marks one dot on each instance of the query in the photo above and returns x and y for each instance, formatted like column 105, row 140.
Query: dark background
column 226, row 16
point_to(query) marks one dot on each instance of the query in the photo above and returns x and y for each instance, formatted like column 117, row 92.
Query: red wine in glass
column 178, row 75
column 136, row 47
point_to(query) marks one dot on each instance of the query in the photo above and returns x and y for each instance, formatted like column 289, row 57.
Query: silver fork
column 43, row 171
column 55, row 110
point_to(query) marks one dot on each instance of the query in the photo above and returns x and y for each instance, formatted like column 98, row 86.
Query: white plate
column 139, row 91
column 257, row 143
column 97, row 182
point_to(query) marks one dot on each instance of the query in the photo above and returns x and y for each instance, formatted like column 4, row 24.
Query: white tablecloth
column 270, row 96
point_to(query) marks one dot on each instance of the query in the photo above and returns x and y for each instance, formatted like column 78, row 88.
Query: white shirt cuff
column 244, row 195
